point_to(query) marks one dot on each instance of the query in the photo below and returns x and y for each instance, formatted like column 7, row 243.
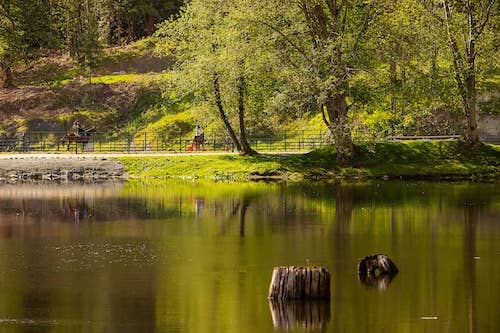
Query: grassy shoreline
column 409, row 160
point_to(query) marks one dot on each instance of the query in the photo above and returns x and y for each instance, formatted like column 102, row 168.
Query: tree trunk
column 222, row 113
column 245, row 146
column 471, row 134
column 6, row 79
column 243, row 214
column 337, row 109
column 434, row 71
column 394, row 83
column 130, row 30
column 150, row 25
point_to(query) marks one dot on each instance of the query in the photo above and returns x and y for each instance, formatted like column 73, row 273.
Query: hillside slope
column 53, row 92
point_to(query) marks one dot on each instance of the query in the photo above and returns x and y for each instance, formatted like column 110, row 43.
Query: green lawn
column 438, row 159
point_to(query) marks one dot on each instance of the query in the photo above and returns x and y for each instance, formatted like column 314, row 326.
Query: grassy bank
column 434, row 160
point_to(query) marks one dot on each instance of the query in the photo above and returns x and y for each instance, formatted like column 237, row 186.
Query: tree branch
column 485, row 19
column 457, row 59
column 273, row 28
column 432, row 11
column 323, row 115
column 364, row 28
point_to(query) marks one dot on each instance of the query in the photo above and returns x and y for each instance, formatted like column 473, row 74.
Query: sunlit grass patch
column 451, row 159
column 125, row 78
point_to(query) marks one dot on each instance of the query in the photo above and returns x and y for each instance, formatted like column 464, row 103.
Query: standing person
column 199, row 137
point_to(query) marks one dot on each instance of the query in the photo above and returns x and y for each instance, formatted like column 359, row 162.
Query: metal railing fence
column 152, row 142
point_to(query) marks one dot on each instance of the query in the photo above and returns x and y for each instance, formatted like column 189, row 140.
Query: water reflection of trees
column 333, row 223
column 470, row 225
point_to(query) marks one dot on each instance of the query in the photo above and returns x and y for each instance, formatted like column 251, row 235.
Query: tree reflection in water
column 471, row 219
column 155, row 260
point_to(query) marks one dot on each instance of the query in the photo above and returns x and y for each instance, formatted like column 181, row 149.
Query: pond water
column 182, row 256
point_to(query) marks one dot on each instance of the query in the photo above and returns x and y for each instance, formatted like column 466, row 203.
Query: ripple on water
column 97, row 255
column 27, row 322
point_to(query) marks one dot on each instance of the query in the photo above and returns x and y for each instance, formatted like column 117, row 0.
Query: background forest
column 358, row 69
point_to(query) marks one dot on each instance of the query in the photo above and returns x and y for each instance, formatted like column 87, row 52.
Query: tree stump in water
column 299, row 283
column 380, row 263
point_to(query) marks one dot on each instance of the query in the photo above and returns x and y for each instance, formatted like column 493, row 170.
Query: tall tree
column 214, row 49
column 89, row 48
column 77, row 25
column 24, row 28
column 464, row 22
column 323, row 43
column 408, row 89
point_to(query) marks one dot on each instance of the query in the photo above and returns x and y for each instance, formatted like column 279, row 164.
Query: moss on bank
column 436, row 159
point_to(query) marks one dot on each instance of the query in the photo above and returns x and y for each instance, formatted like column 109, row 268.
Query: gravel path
column 58, row 167
column 44, row 166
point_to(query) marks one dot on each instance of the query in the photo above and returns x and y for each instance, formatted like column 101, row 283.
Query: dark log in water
column 309, row 315
column 377, row 264
column 299, row 283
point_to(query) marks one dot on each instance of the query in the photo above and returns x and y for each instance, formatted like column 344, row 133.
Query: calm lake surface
column 182, row 256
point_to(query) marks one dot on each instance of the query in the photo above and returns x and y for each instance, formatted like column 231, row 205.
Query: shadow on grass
column 393, row 159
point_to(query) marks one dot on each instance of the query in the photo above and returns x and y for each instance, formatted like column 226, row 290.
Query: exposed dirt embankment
column 59, row 168
column 32, row 102
column 51, row 92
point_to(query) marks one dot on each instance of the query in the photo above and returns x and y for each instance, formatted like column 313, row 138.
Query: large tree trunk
column 393, row 76
column 245, row 146
column 6, row 79
column 222, row 113
column 337, row 109
column 471, row 132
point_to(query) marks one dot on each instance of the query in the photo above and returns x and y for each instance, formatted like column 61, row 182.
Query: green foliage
column 171, row 127
column 390, row 59
column 24, row 29
column 123, row 21
column 152, row 106
column 218, row 41
column 87, row 46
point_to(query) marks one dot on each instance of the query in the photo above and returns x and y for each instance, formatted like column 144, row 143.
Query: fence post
column 180, row 141
column 24, row 142
column 284, row 139
column 145, row 137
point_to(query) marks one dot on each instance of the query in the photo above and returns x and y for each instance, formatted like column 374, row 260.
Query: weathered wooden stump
column 309, row 315
column 377, row 264
column 299, row 283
